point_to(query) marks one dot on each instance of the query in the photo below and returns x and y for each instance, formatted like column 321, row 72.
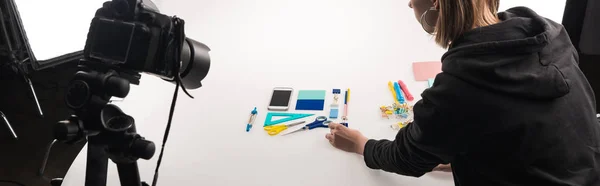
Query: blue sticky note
column 430, row 82
column 333, row 113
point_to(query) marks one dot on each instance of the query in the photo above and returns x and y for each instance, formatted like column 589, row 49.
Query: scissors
column 276, row 129
column 320, row 122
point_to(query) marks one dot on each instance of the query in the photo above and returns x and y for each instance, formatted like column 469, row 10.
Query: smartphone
column 280, row 100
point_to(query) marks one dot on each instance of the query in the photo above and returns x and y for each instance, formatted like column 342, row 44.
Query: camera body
column 128, row 35
column 139, row 43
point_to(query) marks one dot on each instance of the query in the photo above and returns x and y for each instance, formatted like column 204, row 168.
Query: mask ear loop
column 423, row 19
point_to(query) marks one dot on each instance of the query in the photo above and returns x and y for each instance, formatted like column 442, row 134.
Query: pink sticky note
column 426, row 70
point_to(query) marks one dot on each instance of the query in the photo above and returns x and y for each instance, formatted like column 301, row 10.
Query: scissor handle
column 320, row 124
column 274, row 130
column 321, row 118
column 317, row 123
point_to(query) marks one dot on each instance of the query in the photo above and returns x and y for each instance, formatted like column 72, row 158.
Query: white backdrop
column 257, row 45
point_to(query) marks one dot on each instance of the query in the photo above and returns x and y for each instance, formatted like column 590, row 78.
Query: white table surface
column 258, row 45
column 208, row 144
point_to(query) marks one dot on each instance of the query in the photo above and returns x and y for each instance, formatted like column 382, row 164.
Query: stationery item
column 310, row 105
column 276, row 129
column 389, row 110
column 404, row 88
column 320, row 122
column 426, row 70
column 333, row 113
column 346, row 102
column 312, row 94
column 401, row 111
column 334, row 108
column 251, row 120
column 311, row 100
column 336, row 93
column 399, row 94
column 391, row 87
column 400, row 125
column 288, row 117
column 430, row 82
column 384, row 112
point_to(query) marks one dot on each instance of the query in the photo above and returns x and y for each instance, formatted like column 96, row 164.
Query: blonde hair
column 459, row 16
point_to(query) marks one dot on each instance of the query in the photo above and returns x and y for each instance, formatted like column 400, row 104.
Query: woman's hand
column 346, row 139
column 443, row 168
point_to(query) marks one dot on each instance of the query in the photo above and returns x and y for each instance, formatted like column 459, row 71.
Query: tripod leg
column 129, row 174
column 97, row 165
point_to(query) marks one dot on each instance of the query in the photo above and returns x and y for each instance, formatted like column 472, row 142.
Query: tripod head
column 111, row 133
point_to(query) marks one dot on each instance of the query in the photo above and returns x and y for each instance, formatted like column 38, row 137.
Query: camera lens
column 195, row 63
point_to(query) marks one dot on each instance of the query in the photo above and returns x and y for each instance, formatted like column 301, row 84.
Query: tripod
column 110, row 133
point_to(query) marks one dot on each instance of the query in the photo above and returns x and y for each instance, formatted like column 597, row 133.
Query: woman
column 511, row 106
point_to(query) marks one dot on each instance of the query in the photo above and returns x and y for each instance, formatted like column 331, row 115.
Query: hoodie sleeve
column 432, row 139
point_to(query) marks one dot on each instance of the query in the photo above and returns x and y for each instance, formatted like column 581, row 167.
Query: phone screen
column 281, row 98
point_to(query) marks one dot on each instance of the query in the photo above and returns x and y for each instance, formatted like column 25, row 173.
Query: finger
column 329, row 137
column 331, row 125
column 334, row 125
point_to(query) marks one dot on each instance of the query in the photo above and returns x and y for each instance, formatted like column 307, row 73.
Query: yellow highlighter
column 391, row 87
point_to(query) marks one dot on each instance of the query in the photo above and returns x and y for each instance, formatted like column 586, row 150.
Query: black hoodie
column 511, row 107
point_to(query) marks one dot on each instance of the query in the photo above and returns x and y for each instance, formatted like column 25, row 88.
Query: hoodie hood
column 524, row 55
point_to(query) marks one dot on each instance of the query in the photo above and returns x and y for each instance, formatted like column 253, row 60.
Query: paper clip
column 400, row 125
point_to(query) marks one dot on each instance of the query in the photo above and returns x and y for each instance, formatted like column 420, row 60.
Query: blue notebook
column 309, row 104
